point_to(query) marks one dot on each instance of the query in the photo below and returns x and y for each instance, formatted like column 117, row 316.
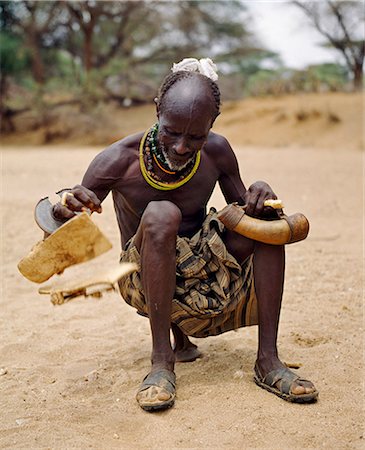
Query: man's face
column 184, row 123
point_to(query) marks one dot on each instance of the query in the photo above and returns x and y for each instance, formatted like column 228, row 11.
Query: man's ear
column 213, row 120
column 157, row 106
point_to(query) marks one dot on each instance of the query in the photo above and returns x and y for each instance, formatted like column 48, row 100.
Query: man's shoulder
column 220, row 152
column 217, row 142
column 116, row 158
column 218, row 148
column 125, row 145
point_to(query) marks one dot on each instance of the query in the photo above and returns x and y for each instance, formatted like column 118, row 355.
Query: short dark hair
column 172, row 78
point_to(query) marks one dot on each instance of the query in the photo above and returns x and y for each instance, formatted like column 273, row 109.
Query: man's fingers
column 72, row 203
column 255, row 199
column 64, row 197
column 251, row 201
column 74, row 200
column 87, row 198
column 77, row 199
column 260, row 205
column 255, row 202
column 62, row 212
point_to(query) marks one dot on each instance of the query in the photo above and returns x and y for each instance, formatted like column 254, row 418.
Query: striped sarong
column 214, row 293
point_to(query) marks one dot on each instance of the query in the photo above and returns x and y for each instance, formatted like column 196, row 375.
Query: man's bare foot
column 188, row 353
column 272, row 375
column 185, row 351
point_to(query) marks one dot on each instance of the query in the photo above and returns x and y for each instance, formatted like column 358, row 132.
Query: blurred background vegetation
column 88, row 54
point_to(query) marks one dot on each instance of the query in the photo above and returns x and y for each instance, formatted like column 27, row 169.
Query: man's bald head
column 183, row 87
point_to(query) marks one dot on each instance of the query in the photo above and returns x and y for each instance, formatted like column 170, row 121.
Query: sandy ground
column 70, row 373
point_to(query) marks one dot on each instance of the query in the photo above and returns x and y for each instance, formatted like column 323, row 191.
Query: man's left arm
column 234, row 189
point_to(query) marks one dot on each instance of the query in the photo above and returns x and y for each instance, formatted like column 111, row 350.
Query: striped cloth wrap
column 214, row 293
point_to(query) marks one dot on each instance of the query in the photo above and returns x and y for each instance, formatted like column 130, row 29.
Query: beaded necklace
column 158, row 156
column 160, row 166
column 146, row 151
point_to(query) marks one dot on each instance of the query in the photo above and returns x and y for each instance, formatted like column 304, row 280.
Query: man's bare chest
column 135, row 192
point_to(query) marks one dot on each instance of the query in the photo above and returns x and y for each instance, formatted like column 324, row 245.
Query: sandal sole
column 304, row 398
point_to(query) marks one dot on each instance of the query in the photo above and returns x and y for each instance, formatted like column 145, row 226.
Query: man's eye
column 197, row 138
column 172, row 133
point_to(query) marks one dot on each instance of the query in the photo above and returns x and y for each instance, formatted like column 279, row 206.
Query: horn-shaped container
column 286, row 230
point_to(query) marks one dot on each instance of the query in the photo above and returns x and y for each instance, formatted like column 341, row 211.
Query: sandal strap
column 162, row 378
column 284, row 375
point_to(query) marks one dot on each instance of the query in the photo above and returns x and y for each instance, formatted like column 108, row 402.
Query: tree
column 90, row 17
column 121, row 49
column 35, row 20
column 13, row 60
column 342, row 24
column 133, row 42
column 108, row 29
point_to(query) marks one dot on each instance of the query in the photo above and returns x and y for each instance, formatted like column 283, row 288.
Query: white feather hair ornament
column 205, row 66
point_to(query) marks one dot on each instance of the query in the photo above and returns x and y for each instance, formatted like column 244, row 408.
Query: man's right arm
column 103, row 172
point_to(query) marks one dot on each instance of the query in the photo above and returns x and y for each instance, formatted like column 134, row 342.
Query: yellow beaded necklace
column 163, row 186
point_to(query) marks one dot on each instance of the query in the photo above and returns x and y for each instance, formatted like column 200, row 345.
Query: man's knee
column 161, row 219
column 238, row 246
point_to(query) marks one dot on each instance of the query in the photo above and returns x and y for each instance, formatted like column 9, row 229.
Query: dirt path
column 72, row 371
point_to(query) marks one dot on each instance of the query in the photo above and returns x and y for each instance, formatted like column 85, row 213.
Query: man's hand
column 77, row 199
column 254, row 199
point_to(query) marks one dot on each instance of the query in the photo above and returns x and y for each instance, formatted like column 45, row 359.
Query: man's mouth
column 175, row 161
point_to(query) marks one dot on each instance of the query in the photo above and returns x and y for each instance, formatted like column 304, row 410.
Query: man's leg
column 185, row 351
column 269, row 267
column 156, row 242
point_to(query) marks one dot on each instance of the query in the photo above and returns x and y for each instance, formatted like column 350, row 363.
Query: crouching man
column 196, row 277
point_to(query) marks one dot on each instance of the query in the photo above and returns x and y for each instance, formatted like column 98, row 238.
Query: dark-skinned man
column 196, row 277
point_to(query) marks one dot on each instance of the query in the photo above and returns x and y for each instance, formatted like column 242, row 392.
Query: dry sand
column 70, row 373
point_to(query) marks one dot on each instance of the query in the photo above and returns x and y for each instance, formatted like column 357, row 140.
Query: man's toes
column 153, row 394
column 162, row 395
column 298, row 389
column 309, row 388
column 302, row 387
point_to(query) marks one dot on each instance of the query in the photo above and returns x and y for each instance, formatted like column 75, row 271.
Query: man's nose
column 181, row 147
